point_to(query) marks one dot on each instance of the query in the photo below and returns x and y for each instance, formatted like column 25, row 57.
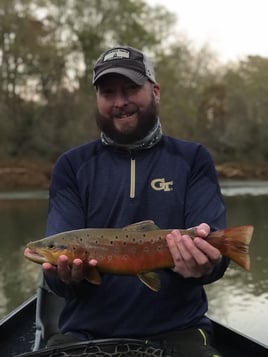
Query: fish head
column 47, row 250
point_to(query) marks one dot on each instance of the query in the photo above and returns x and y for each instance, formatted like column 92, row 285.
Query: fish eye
column 51, row 246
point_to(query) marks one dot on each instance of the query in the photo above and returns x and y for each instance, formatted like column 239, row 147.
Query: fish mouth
column 34, row 256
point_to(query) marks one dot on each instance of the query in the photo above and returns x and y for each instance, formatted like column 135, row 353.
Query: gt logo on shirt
column 159, row 184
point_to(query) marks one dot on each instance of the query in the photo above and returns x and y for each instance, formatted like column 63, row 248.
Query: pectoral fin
column 92, row 275
column 150, row 279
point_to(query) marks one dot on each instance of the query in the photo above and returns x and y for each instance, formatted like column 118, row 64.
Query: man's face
column 126, row 112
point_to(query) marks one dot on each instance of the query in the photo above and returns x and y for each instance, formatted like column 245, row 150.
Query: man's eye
column 107, row 91
column 132, row 88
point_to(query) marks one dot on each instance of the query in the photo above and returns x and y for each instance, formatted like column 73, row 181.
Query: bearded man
column 132, row 173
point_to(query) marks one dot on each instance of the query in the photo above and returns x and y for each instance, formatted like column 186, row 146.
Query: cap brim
column 134, row 76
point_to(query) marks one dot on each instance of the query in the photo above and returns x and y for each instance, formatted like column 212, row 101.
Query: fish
column 137, row 249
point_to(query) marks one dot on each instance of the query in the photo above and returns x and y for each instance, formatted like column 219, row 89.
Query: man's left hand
column 193, row 257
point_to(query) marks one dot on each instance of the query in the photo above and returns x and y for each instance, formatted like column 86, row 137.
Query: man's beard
column 147, row 120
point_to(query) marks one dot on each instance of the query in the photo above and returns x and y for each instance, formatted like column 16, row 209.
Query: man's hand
column 65, row 272
column 193, row 257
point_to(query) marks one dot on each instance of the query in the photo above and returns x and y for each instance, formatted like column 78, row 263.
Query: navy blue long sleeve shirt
column 174, row 184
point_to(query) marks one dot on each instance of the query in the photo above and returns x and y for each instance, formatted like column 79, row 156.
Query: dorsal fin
column 142, row 226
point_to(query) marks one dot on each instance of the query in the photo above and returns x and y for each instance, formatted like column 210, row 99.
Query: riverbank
column 24, row 174
column 240, row 171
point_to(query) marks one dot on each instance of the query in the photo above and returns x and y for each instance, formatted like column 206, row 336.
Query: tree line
column 47, row 102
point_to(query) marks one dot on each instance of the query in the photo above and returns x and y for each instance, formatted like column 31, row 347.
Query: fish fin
column 233, row 243
column 92, row 275
column 150, row 279
column 142, row 226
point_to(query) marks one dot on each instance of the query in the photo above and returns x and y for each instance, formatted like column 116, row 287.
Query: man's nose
column 120, row 99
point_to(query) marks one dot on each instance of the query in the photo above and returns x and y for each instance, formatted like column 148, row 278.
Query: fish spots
column 146, row 249
column 76, row 248
column 133, row 240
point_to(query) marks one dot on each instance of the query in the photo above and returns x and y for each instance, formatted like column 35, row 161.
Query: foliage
column 245, row 119
column 47, row 103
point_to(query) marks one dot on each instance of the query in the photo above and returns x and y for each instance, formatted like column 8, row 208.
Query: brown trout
column 138, row 249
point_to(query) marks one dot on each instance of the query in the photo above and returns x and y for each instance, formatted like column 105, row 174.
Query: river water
column 239, row 300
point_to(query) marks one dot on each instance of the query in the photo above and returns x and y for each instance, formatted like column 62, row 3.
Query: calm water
column 239, row 300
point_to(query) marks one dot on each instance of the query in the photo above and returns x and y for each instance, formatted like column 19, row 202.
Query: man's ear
column 156, row 92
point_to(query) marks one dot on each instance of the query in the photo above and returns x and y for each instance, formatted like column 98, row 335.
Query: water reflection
column 240, row 299
column 21, row 220
column 23, row 195
column 237, row 188
column 236, row 302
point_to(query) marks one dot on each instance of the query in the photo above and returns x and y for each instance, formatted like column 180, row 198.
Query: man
column 134, row 173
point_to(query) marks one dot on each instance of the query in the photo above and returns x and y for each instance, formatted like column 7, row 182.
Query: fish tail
column 234, row 244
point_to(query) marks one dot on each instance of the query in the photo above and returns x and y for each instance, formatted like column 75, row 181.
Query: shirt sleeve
column 65, row 210
column 204, row 203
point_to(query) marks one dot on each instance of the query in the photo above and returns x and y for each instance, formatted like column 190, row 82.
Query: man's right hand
column 65, row 272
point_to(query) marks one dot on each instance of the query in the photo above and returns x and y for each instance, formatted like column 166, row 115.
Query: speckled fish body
column 137, row 249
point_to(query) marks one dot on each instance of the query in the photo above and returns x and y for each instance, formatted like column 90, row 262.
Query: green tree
column 246, row 132
column 183, row 75
column 47, row 102
column 47, row 52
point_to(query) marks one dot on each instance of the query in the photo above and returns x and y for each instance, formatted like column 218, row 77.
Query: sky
column 233, row 29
